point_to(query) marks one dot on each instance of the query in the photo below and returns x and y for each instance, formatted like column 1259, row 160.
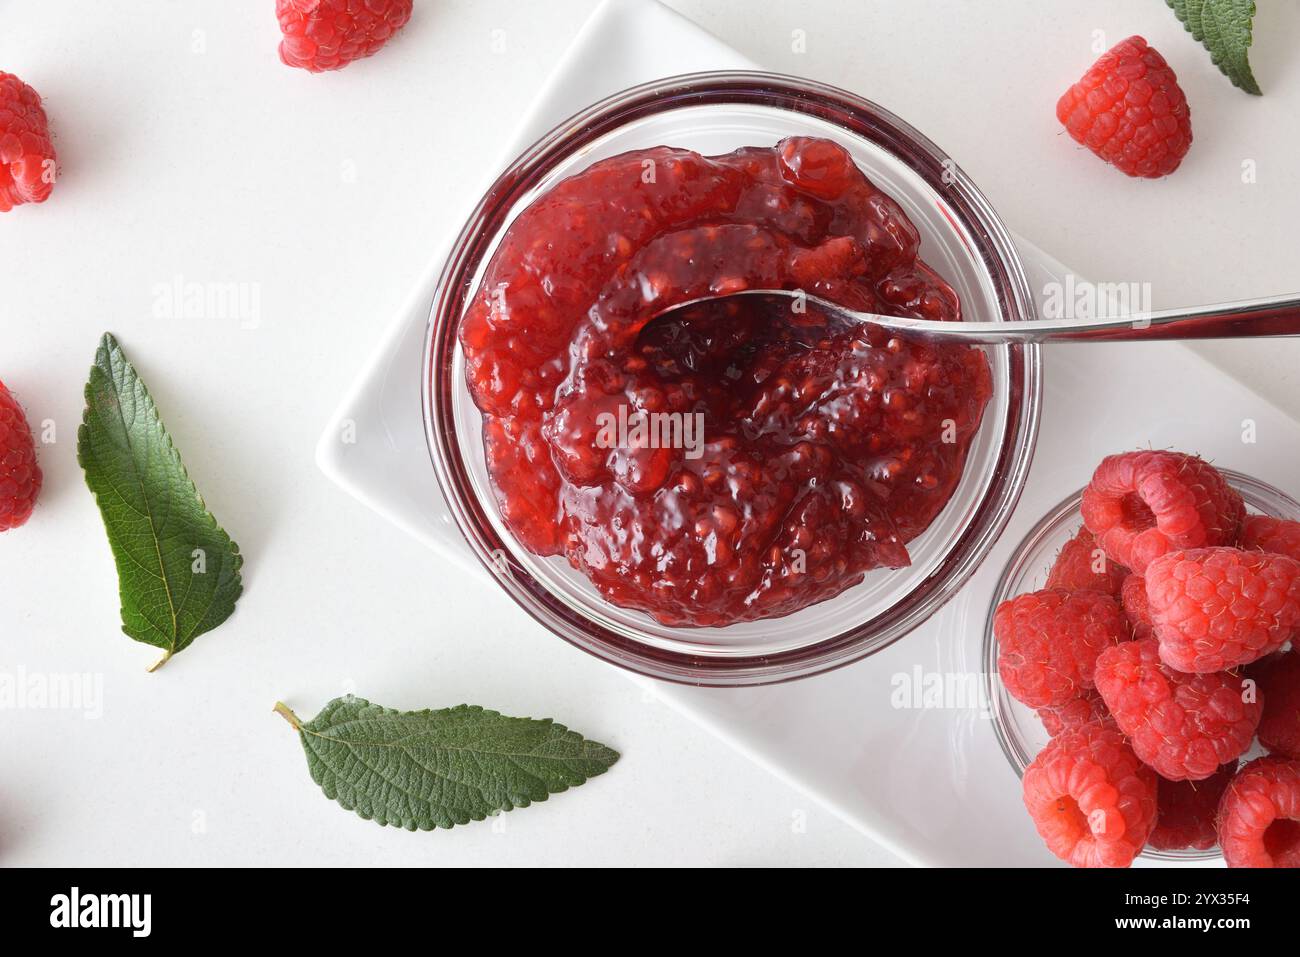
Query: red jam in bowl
column 729, row 461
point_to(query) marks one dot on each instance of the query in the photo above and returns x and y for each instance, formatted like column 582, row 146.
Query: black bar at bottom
column 345, row 906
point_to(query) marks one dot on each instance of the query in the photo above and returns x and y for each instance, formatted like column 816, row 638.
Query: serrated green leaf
column 428, row 769
column 178, row 571
column 1224, row 28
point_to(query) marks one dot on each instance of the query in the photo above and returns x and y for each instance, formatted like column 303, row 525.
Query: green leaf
column 177, row 570
column 1224, row 27
column 427, row 769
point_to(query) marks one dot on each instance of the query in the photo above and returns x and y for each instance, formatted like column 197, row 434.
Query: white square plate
column 931, row 784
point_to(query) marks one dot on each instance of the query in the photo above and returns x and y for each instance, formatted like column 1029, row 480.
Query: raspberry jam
column 728, row 461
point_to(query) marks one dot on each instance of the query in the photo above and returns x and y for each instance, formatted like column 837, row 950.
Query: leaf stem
column 284, row 711
column 159, row 663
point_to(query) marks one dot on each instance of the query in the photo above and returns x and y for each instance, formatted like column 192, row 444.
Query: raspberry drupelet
column 322, row 35
column 20, row 475
column 1048, row 643
column 1133, row 599
column 1259, row 816
column 1082, row 565
column 1216, row 608
column 1140, row 505
column 1076, row 712
column 1184, row 726
column 1129, row 110
column 27, row 160
column 1093, row 802
column 1260, row 533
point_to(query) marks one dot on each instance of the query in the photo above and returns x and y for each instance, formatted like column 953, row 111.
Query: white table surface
column 187, row 150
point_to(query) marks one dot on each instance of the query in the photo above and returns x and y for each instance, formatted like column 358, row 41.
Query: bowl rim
column 996, row 256
column 994, row 690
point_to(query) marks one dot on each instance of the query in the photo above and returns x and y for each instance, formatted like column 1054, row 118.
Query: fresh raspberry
column 20, row 476
column 1183, row 726
column 1188, row 810
column 1278, row 677
column 1141, row 505
column 1264, row 534
column 1074, row 713
column 1133, row 599
column 322, row 35
column 26, row 153
column 1216, row 608
column 1130, row 111
column 1259, row 816
column 1082, row 565
column 1048, row 642
column 1093, row 801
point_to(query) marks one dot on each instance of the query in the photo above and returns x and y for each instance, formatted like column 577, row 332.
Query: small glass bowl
column 962, row 239
column 1019, row 730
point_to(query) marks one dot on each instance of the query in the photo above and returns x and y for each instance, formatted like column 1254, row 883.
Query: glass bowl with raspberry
column 722, row 495
column 1052, row 556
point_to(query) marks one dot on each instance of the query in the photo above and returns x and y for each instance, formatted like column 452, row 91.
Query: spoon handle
column 1275, row 316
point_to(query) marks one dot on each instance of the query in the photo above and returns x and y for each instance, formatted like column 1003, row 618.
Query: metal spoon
column 1276, row 316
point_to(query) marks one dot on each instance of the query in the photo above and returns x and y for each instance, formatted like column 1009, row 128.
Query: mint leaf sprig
column 178, row 570
column 1224, row 27
column 436, row 769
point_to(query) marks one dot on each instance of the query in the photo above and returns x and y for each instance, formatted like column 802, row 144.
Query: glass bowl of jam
column 1019, row 729
column 731, row 493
